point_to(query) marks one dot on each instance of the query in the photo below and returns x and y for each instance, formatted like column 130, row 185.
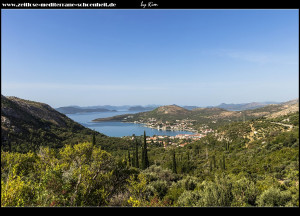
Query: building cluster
column 189, row 136
column 179, row 140
column 178, row 125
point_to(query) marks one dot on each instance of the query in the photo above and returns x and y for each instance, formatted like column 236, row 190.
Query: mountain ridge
column 105, row 108
column 244, row 106
column 72, row 110
column 206, row 115
column 28, row 124
column 110, row 108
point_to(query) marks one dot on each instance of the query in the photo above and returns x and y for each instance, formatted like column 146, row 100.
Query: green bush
column 188, row 183
column 189, row 198
column 158, row 188
column 217, row 193
column 174, row 193
column 274, row 197
column 244, row 192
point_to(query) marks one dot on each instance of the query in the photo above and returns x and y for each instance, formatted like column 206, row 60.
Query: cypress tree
column 227, row 144
column 145, row 138
column 145, row 161
column 174, row 167
column 133, row 157
column 129, row 158
column 210, row 166
column 214, row 161
column 222, row 162
column 143, row 156
column 146, row 157
column 136, row 154
column 94, row 139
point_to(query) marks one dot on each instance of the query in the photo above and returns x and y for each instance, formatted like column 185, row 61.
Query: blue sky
column 117, row 57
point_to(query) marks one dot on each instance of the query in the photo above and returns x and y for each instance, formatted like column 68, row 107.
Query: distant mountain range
column 141, row 108
column 244, row 106
column 104, row 108
column 72, row 110
column 110, row 108
column 209, row 115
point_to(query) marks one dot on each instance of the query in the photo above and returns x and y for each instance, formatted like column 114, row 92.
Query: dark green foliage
column 36, row 125
column 174, row 167
column 94, row 139
column 145, row 161
column 129, row 159
column 232, row 167
column 223, row 163
column 274, row 197
column 136, row 155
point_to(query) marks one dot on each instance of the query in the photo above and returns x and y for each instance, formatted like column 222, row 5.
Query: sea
column 118, row 129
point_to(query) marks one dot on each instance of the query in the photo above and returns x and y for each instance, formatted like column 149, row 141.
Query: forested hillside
column 27, row 125
column 244, row 163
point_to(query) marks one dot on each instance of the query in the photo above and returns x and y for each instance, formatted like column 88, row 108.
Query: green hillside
column 27, row 125
column 253, row 163
column 213, row 117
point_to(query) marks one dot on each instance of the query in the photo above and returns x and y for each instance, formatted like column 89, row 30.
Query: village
column 178, row 125
column 179, row 140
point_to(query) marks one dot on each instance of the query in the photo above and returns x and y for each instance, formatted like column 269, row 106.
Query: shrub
column 188, row 183
column 16, row 192
column 217, row 193
column 274, row 197
column 174, row 193
column 244, row 192
column 158, row 188
column 156, row 172
column 189, row 198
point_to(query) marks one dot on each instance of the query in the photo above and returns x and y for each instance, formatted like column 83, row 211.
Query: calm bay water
column 118, row 129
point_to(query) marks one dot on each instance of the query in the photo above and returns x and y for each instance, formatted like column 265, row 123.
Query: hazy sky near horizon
column 139, row 57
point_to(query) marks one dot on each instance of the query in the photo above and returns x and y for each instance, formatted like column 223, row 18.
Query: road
column 290, row 126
